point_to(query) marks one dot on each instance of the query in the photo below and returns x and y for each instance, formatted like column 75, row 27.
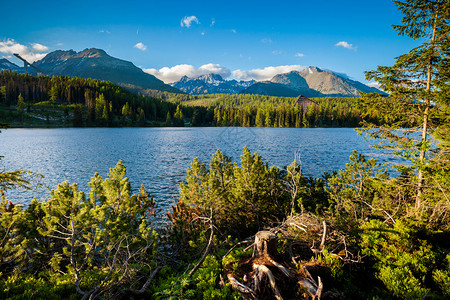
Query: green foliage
column 26, row 286
column 417, row 90
column 307, row 194
column 21, row 105
column 78, row 116
column 53, row 94
column 168, row 119
column 230, row 262
column 243, row 197
column 362, row 191
column 14, row 179
column 204, row 284
column 442, row 277
column 178, row 118
column 206, row 281
column 102, row 102
column 404, row 261
column 334, row 264
column 99, row 243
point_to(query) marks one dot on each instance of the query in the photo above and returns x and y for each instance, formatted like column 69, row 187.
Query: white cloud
column 105, row 31
column 213, row 21
column 233, row 30
column 215, row 69
column 266, row 40
column 172, row 74
column 140, row 46
column 187, row 21
column 277, row 52
column 202, row 33
column 299, row 54
column 265, row 74
column 346, row 45
column 10, row 46
column 39, row 48
column 175, row 73
column 374, row 84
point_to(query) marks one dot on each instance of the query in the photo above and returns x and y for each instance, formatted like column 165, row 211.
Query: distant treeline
column 270, row 111
column 90, row 102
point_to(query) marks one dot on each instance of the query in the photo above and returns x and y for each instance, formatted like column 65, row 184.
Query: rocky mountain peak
column 210, row 78
column 184, row 78
column 93, row 52
column 311, row 70
column 210, row 84
column 56, row 56
column 7, row 65
column 97, row 64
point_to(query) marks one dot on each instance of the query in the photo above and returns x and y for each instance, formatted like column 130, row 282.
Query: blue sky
column 237, row 39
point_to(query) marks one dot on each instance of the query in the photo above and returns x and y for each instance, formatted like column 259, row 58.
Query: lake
column 159, row 157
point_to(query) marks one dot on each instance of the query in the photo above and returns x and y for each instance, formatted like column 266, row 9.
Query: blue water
column 159, row 157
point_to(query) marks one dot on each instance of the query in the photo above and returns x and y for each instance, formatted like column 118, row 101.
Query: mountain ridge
column 310, row 82
column 94, row 63
column 97, row 64
column 210, row 84
column 7, row 65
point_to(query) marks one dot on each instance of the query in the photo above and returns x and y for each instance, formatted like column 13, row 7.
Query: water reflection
column 159, row 157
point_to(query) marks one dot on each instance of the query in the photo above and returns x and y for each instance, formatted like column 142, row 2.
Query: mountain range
column 7, row 65
column 311, row 82
column 211, row 84
column 97, row 64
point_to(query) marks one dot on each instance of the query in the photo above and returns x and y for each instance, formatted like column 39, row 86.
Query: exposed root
column 266, row 275
column 260, row 270
column 245, row 291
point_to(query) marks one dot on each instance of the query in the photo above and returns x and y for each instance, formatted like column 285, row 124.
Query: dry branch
column 243, row 289
column 210, row 242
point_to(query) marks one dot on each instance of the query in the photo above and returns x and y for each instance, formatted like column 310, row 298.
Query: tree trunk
column 420, row 178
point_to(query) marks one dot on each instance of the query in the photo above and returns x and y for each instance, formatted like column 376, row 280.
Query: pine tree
column 413, row 84
column 126, row 110
column 168, row 119
column 259, row 118
column 21, row 105
column 178, row 119
column 3, row 94
column 78, row 115
column 53, row 94
column 141, row 117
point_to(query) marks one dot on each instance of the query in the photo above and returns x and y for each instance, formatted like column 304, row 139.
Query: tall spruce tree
column 414, row 87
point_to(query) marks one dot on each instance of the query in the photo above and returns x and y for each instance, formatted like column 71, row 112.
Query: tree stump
column 265, row 243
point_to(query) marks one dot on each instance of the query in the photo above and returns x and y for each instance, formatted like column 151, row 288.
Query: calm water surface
column 158, row 157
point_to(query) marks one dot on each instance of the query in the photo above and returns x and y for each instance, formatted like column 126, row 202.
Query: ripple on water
column 159, row 157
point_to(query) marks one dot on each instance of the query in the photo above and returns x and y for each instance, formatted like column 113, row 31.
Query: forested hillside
column 270, row 111
column 26, row 99
column 70, row 101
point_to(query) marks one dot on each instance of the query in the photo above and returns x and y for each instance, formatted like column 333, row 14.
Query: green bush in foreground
column 97, row 246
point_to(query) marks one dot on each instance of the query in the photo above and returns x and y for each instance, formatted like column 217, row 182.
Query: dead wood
column 245, row 291
column 210, row 242
column 269, row 277
column 262, row 269
column 265, row 244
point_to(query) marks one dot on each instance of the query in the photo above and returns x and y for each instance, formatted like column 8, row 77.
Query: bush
column 243, row 198
column 404, row 261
